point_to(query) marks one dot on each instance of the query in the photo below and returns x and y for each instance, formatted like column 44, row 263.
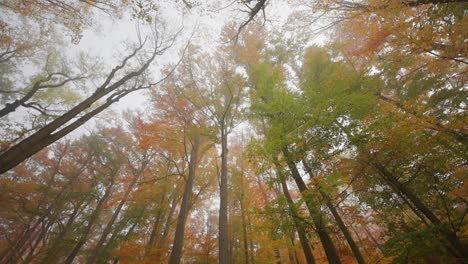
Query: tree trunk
column 55, row 249
column 346, row 233
column 354, row 247
column 244, row 233
column 49, row 134
column 450, row 235
column 294, row 215
column 300, row 229
column 176, row 254
column 223, row 207
column 155, row 228
column 110, row 224
column 277, row 255
column 322, row 230
column 374, row 240
column 93, row 218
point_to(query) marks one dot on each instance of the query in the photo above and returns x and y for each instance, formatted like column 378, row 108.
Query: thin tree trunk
column 54, row 250
column 374, row 240
column 293, row 258
column 49, row 134
column 451, row 236
column 322, row 230
column 167, row 225
column 93, row 218
column 344, row 229
column 346, row 233
column 243, row 217
column 300, row 229
column 244, row 233
column 251, row 246
column 176, row 254
column 130, row 231
column 155, row 229
column 294, row 215
column 223, row 208
column 111, row 222
column 277, row 255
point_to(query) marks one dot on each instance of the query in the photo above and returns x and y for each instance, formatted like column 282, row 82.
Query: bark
column 167, row 225
column 244, row 232
column 55, row 130
column 223, row 208
column 354, row 247
column 300, row 229
column 251, row 244
column 94, row 216
column 277, row 255
column 38, row 85
column 54, row 249
column 24, row 240
column 130, row 231
column 375, row 241
column 110, row 224
column 156, row 226
column 344, row 229
column 154, row 231
column 39, row 237
column 176, row 254
column 322, row 230
column 450, row 235
column 293, row 258
column 294, row 215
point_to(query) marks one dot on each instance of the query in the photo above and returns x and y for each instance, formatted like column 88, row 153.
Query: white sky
column 107, row 40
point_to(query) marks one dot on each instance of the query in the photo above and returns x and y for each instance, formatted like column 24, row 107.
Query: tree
column 219, row 97
column 112, row 89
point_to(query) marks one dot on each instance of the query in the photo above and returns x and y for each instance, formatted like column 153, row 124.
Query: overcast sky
column 107, row 40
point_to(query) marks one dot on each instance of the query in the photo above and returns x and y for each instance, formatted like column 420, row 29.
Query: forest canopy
column 246, row 131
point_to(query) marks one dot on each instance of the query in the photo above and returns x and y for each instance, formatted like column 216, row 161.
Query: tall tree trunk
column 55, row 130
column 294, row 215
column 377, row 244
column 344, row 229
column 129, row 232
column 251, row 244
column 322, row 230
column 244, row 232
column 293, row 258
column 55, row 249
column 300, row 229
column 155, row 229
column 223, row 206
column 94, row 216
column 277, row 255
column 176, row 254
column 97, row 249
column 450, row 235
column 175, row 198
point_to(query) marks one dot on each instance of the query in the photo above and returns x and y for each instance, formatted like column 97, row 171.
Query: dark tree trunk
column 300, row 229
column 294, row 215
column 176, row 254
column 223, row 208
column 55, row 130
column 450, row 235
column 155, row 228
column 244, row 232
column 322, row 230
column 339, row 221
column 94, row 216
column 110, row 224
